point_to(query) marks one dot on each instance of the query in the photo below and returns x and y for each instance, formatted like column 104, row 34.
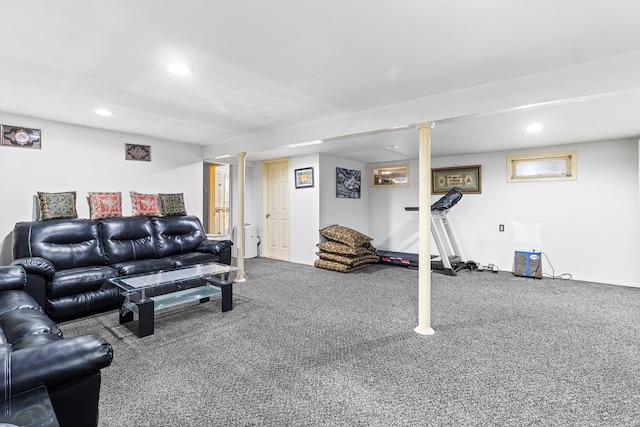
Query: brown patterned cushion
column 350, row 261
column 171, row 204
column 144, row 204
column 345, row 235
column 336, row 266
column 105, row 205
column 342, row 249
column 57, row 205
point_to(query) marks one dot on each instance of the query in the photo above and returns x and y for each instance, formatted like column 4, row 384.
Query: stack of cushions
column 345, row 250
column 109, row 205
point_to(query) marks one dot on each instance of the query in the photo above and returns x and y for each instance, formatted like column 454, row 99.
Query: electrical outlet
column 501, row 227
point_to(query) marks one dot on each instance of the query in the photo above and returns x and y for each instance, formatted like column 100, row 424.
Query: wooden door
column 275, row 204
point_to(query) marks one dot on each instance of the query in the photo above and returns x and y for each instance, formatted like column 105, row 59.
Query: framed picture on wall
column 304, row 177
column 467, row 178
column 16, row 136
column 137, row 152
column 348, row 183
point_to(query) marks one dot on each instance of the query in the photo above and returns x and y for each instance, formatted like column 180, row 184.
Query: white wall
column 81, row 159
column 590, row 228
column 391, row 227
column 305, row 211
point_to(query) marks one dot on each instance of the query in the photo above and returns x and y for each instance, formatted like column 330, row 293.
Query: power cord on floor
column 566, row 276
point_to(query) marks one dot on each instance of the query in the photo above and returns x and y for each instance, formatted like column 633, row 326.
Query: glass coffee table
column 29, row 408
column 147, row 293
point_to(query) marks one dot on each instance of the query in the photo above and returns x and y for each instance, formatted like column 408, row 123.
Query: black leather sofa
column 34, row 353
column 67, row 261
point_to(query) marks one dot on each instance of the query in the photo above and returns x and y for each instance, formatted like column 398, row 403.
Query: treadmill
column 449, row 261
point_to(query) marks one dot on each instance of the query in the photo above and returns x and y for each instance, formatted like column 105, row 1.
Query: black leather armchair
column 34, row 353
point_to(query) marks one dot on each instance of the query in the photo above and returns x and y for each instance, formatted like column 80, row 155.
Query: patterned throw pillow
column 144, row 204
column 172, row 204
column 105, row 205
column 345, row 235
column 57, row 205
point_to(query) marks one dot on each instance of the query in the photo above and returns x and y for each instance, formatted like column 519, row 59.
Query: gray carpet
column 311, row 347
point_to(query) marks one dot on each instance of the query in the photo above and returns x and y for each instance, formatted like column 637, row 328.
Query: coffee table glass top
column 214, row 273
column 30, row 408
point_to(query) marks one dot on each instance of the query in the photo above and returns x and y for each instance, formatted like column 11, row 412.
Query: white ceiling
column 263, row 66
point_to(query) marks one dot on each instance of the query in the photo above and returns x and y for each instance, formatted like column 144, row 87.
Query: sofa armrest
column 12, row 277
column 214, row 246
column 58, row 362
column 36, row 265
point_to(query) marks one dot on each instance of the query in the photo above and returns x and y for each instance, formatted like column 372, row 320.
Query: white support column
column 240, row 223
column 424, row 233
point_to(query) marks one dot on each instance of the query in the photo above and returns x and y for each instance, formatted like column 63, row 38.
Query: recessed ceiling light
column 534, row 128
column 391, row 147
column 180, row 69
column 103, row 112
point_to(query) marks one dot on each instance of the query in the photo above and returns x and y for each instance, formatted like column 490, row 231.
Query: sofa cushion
column 144, row 204
column 171, row 204
column 17, row 324
column 72, row 306
column 143, row 266
column 195, row 258
column 78, row 280
column 67, row 243
column 345, row 235
column 128, row 239
column 342, row 249
column 336, row 266
column 57, row 205
column 350, row 261
column 15, row 300
column 105, row 205
column 178, row 234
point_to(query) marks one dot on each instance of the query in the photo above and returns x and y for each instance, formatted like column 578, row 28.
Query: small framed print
column 137, row 152
column 304, row 177
column 17, row 136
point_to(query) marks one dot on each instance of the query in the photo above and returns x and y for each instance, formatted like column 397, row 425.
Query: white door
column 275, row 192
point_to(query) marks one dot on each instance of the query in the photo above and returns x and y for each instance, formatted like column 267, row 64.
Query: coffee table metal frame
column 147, row 293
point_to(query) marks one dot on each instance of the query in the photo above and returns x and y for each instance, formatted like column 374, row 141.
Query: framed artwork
column 390, row 176
column 555, row 166
column 137, row 152
column 304, row 177
column 16, row 136
column 467, row 178
column 348, row 183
